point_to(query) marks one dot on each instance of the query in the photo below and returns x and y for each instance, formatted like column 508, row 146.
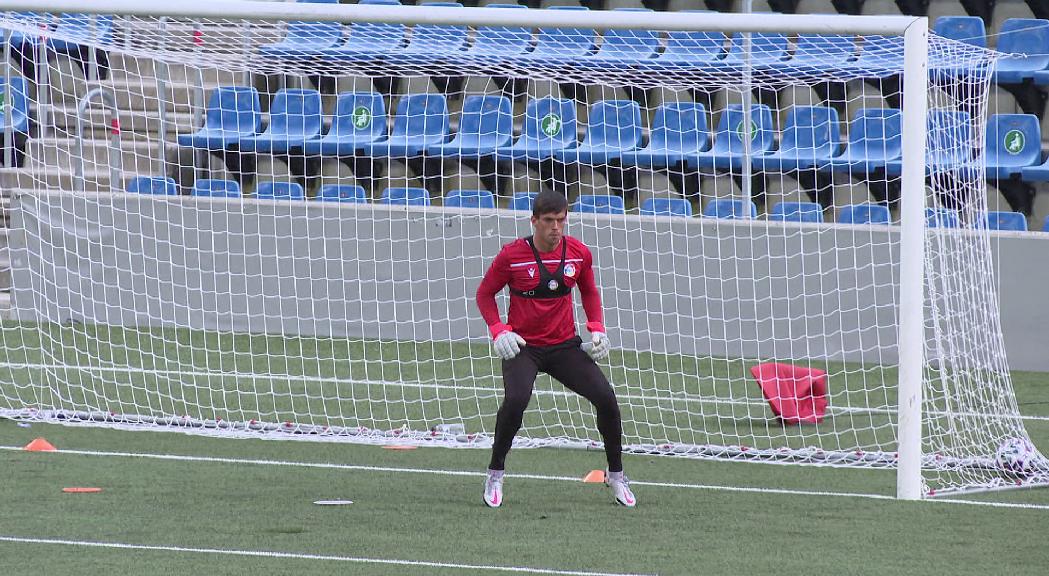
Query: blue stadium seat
column 78, row 29
column 156, row 185
column 730, row 209
column 295, row 118
column 216, row 188
column 487, row 123
column 560, row 46
column 941, row 218
column 948, row 145
column 233, row 114
column 666, row 207
column 421, row 120
column 1029, row 36
column 625, row 46
column 598, row 204
column 727, row 151
column 765, row 50
column 304, row 40
column 968, row 29
column 796, row 212
column 814, row 51
column 1038, row 173
column 1045, row 225
column 405, row 196
column 1013, row 143
column 614, row 127
column 679, row 130
column 368, row 40
column 692, row 49
column 500, row 41
column 875, row 138
column 810, row 135
column 19, row 105
column 549, row 127
column 470, row 199
column 280, row 191
column 1013, row 221
column 429, row 42
column 360, row 118
column 864, row 214
column 351, row 194
column 522, row 201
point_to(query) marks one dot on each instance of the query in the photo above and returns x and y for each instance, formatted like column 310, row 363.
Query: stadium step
column 197, row 40
column 138, row 156
column 97, row 122
column 96, row 179
column 136, row 69
column 138, row 93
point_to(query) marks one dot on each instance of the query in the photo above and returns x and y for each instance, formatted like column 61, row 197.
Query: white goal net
column 275, row 228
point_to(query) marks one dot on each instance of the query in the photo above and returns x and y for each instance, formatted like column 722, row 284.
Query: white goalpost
column 268, row 219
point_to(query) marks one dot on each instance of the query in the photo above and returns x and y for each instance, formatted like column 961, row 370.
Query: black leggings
column 570, row 365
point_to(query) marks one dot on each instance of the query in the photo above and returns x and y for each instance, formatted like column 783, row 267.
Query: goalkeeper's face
column 549, row 228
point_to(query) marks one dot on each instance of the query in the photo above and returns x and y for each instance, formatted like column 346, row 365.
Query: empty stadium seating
column 599, row 204
column 666, row 207
column 678, row 130
column 470, row 199
column 864, row 214
column 730, row 209
column 549, row 127
column 360, row 119
column 216, row 188
column 342, row 193
column 796, row 212
column 280, row 191
column 614, row 127
column 156, row 185
column 406, row 196
column 233, row 113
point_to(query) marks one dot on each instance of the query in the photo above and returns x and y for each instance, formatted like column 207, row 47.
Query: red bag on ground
column 797, row 395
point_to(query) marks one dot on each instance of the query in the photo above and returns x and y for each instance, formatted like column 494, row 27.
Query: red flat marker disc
column 81, row 490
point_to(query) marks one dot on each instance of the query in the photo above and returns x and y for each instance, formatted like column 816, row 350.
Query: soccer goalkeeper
column 540, row 335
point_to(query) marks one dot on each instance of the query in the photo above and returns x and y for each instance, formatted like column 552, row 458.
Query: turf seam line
column 305, row 556
column 546, row 477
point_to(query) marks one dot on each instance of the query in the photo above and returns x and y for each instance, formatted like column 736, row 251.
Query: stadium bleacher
column 610, row 133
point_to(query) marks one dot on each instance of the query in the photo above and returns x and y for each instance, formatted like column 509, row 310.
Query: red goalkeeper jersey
column 541, row 309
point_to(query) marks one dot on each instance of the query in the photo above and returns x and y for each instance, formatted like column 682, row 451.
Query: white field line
column 544, row 477
column 301, row 556
column 652, row 397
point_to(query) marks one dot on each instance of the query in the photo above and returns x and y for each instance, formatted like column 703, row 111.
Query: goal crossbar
column 597, row 19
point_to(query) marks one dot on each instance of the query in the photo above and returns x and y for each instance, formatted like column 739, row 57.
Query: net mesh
column 276, row 229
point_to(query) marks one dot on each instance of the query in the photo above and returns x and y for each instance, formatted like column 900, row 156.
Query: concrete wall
column 753, row 289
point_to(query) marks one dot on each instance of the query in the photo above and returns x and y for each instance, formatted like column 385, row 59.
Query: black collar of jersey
column 551, row 284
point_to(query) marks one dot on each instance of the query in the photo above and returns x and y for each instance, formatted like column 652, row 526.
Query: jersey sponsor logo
column 569, row 270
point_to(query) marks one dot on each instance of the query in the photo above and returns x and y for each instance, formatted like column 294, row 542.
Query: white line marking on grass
column 331, row 466
column 301, row 556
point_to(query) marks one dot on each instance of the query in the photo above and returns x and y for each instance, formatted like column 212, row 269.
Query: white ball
column 1015, row 455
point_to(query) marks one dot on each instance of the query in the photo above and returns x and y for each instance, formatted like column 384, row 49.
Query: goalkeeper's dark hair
column 547, row 202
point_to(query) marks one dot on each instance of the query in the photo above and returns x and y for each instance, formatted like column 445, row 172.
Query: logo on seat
column 550, row 125
column 361, row 117
column 1014, row 141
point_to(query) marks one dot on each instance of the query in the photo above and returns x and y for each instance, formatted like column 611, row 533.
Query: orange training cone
column 40, row 445
column 594, row 477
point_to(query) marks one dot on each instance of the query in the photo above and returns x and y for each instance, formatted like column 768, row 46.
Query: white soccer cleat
column 493, row 491
column 621, row 488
